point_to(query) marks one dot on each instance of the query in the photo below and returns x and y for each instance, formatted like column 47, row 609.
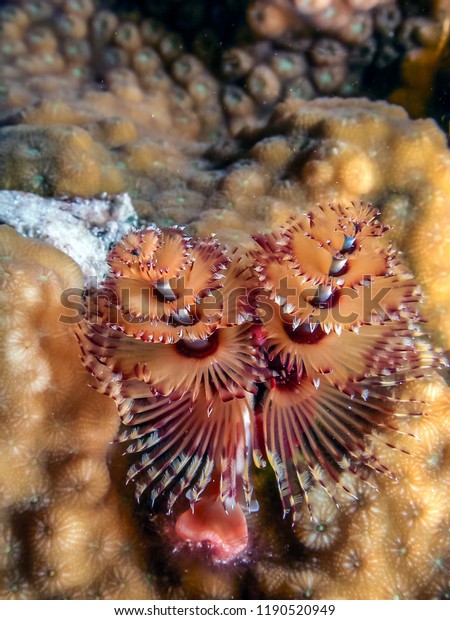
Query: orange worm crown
column 303, row 336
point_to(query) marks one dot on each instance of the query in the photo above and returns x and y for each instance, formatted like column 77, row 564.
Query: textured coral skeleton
column 199, row 349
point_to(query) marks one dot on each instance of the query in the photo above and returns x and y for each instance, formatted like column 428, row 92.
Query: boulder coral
column 64, row 532
column 91, row 105
column 71, row 51
column 56, row 161
column 390, row 544
column 309, row 49
column 349, row 19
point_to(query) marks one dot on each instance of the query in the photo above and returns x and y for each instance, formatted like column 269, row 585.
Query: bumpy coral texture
column 309, row 49
column 92, row 105
column 95, row 103
column 134, row 69
column 406, row 554
column 64, row 532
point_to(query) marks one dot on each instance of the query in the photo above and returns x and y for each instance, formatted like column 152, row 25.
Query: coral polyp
column 303, row 337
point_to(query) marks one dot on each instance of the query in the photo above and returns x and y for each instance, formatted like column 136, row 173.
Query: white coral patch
column 20, row 348
column 83, row 229
column 321, row 529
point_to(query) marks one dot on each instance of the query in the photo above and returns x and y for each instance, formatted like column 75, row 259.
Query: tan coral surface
column 68, row 50
column 90, row 105
column 390, row 544
column 63, row 530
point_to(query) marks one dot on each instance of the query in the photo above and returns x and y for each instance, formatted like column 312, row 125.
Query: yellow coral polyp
column 148, row 156
column 117, row 132
column 358, row 175
column 322, row 529
column 56, row 113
